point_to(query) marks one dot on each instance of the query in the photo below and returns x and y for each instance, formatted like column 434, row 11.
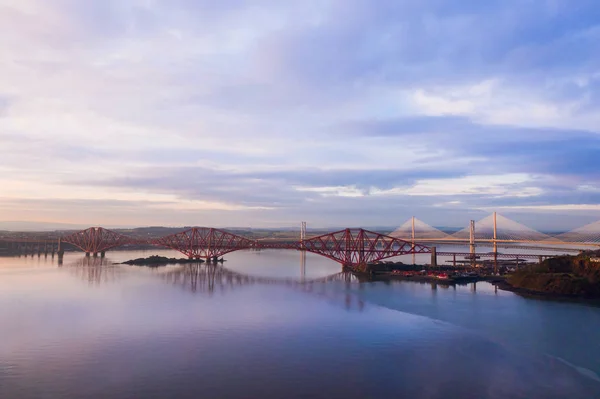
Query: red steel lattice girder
column 97, row 239
column 350, row 247
column 205, row 242
column 354, row 247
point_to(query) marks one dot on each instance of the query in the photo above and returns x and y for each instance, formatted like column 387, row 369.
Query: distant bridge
column 496, row 231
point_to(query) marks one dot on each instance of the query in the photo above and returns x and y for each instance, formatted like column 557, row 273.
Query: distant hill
column 43, row 226
column 37, row 226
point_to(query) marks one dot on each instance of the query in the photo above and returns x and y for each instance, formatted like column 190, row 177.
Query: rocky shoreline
column 563, row 277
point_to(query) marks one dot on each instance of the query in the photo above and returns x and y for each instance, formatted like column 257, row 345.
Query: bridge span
column 353, row 248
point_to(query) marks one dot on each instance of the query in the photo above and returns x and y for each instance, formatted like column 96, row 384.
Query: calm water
column 91, row 330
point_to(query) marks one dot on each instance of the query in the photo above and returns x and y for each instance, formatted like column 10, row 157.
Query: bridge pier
column 87, row 254
column 102, row 254
column 360, row 268
column 495, row 260
column 433, row 257
column 472, row 242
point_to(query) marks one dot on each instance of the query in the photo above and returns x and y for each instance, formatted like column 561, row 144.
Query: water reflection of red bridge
column 210, row 275
column 210, row 279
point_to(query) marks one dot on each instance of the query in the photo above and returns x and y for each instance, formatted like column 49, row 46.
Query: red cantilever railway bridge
column 354, row 248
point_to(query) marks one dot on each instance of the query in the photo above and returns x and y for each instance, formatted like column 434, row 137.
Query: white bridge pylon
column 505, row 230
column 415, row 228
column 496, row 228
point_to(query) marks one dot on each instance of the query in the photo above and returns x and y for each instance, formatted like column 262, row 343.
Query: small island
column 155, row 261
column 562, row 277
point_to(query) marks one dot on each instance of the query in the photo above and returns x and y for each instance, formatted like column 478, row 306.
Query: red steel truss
column 205, row 242
column 358, row 247
column 350, row 247
column 97, row 239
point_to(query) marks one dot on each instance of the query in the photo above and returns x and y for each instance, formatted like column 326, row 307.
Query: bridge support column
column 454, row 260
column 302, row 265
column 412, row 236
column 60, row 254
column 541, row 259
column 433, row 257
column 495, row 261
column 364, row 268
column 87, row 254
column 95, row 254
column 472, row 242
column 102, row 254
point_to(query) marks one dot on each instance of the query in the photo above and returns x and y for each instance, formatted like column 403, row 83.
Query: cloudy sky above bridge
column 337, row 112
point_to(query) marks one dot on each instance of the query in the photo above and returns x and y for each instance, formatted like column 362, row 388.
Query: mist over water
column 266, row 324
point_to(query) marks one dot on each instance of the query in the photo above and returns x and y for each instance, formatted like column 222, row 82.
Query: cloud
column 339, row 112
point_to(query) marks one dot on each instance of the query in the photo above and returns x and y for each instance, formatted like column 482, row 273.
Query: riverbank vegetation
column 568, row 276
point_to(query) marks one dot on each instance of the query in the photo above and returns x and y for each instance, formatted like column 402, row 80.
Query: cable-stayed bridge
column 496, row 231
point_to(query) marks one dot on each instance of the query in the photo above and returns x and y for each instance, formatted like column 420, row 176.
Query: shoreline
column 506, row 286
column 498, row 281
column 433, row 279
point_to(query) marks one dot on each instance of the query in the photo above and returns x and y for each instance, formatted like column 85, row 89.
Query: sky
column 268, row 113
